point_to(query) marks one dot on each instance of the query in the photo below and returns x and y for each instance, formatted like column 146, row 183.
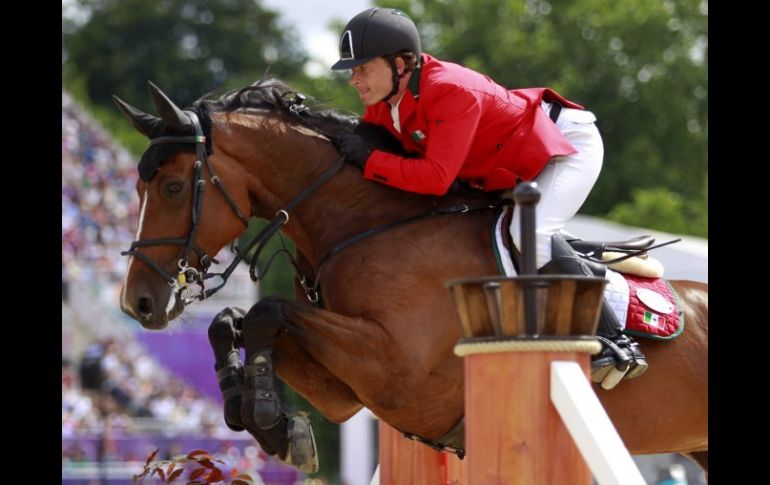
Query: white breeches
column 565, row 182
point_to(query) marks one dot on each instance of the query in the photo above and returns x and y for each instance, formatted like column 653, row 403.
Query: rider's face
column 373, row 80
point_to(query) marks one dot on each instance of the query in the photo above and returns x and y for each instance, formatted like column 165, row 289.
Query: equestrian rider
column 460, row 124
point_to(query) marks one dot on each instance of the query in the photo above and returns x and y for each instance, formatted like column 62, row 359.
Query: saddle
column 598, row 255
column 597, row 248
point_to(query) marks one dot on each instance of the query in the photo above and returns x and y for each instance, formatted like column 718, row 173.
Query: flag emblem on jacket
column 418, row 136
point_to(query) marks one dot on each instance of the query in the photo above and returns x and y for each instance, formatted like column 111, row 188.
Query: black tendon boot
column 290, row 437
column 223, row 335
column 620, row 357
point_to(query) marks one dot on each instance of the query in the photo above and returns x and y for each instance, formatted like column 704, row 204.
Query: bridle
column 187, row 274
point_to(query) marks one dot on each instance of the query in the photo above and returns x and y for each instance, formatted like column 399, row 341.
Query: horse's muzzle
column 153, row 310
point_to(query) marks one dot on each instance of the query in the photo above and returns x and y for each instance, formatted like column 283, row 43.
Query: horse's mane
column 274, row 95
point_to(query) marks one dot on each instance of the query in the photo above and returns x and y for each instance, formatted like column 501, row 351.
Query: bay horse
column 384, row 334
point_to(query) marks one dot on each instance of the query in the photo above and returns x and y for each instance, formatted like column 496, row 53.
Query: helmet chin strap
column 396, row 78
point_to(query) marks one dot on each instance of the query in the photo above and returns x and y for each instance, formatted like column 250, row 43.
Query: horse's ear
column 173, row 116
column 143, row 122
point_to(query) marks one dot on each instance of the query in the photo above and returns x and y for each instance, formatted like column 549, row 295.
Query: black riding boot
column 621, row 357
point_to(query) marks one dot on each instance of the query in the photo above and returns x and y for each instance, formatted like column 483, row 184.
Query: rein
column 311, row 286
column 187, row 275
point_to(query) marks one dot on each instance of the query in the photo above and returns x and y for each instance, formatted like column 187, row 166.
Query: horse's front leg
column 261, row 412
column 245, row 384
column 269, row 348
column 251, row 400
column 225, row 340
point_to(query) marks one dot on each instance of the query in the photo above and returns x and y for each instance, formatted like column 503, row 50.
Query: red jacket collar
column 408, row 105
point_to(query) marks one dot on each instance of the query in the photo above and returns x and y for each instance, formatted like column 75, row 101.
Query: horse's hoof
column 302, row 453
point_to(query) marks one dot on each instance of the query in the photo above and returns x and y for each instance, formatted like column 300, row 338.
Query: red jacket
column 464, row 125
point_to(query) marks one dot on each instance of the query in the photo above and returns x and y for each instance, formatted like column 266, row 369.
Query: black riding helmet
column 377, row 32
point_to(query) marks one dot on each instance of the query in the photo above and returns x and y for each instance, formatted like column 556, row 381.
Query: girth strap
column 452, row 442
column 311, row 286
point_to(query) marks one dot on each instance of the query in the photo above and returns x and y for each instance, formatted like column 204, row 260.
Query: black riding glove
column 354, row 148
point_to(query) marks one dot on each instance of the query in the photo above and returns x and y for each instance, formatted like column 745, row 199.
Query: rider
column 462, row 125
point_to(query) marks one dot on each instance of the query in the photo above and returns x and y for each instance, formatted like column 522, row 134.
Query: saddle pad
column 645, row 307
column 653, row 309
column 499, row 248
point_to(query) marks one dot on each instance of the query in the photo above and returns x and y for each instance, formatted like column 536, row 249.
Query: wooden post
column 514, row 435
column 513, row 432
column 403, row 461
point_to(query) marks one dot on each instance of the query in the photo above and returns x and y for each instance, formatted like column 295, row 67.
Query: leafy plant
column 201, row 465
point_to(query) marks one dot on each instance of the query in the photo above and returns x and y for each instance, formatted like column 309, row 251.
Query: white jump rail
column 590, row 427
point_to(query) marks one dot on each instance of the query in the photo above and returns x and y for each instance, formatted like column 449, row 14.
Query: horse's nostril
column 145, row 306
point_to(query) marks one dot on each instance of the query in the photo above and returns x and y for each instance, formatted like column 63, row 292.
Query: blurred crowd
column 116, row 399
column 99, row 205
column 111, row 384
column 118, row 404
column 115, row 383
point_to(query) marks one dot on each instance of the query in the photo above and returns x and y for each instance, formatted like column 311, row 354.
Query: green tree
column 642, row 67
column 657, row 207
column 664, row 210
column 188, row 47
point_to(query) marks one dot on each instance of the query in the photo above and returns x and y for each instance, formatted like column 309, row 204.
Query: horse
column 383, row 333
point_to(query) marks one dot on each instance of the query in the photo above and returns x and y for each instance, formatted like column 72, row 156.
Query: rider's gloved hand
column 354, row 148
column 357, row 146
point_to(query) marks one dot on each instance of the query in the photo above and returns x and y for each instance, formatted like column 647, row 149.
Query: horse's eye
column 173, row 188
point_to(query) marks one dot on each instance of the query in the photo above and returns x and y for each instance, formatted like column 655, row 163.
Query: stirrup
column 602, row 367
column 618, row 361
column 611, row 366
column 613, row 378
column 639, row 365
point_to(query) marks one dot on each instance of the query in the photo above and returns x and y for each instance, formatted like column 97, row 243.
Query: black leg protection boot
column 621, row 357
column 230, row 376
column 260, row 410
column 223, row 337
column 290, row 437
